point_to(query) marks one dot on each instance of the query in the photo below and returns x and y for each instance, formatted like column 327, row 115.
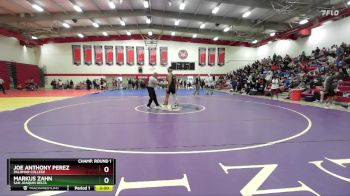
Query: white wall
column 324, row 36
column 11, row 50
column 57, row 58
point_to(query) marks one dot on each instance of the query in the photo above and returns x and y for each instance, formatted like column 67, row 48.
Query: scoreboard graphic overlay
column 85, row 174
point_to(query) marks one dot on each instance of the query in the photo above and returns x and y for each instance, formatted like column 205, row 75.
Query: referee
column 152, row 83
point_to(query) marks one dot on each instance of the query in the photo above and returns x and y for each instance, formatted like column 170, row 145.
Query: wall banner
column 211, row 56
column 163, row 56
column 109, row 55
column 140, row 53
column 202, row 59
column 130, row 55
column 221, row 56
column 98, row 55
column 152, row 56
column 87, row 54
column 119, row 51
column 76, row 54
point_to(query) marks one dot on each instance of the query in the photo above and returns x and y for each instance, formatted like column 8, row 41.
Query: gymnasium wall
column 326, row 35
column 11, row 50
column 23, row 59
column 57, row 59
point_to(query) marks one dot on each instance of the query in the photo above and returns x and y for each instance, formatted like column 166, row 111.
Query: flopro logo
column 183, row 54
column 329, row 12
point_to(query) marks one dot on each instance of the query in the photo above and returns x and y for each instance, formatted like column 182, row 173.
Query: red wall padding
column 25, row 72
column 4, row 74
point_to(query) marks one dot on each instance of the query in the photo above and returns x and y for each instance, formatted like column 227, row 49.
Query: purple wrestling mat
column 219, row 145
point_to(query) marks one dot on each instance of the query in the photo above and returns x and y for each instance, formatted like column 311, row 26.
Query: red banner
column 211, row 56
column 87, row 55
column 98, row 55
column 221, row 56
column 140, row 53
column 76, row 54
column 202, row 59
column 163, row 56
column 120, row 54
column 130, row 56
column 152, row 53
column 109, row 55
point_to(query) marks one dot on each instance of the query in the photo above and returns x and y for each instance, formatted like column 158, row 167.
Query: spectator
column 202, row 83
column 97, row 83
column 275, row 88
column 103, row 84
column 2, row 87
column 129, row 83
column 197, row 85
column 329, row 91
column 59, row 84
column 137, row 84
column 54, row 84
column 234, row 83
column 30, row 84
column 88, row 84
column 210, row 85
column 133, row 84
column 71, row 84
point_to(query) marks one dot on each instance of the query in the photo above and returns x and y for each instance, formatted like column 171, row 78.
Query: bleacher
column 306, row 73
column 343, row 95
column 19, row 75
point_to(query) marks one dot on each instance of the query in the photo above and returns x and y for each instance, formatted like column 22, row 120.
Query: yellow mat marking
column 12, row 103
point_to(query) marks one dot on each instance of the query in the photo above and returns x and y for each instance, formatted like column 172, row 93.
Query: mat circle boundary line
column 28, row 131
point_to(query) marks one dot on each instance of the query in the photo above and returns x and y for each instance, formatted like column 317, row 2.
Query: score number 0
column 106, row 179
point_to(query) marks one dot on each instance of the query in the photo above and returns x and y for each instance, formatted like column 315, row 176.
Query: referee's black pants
column 2, row 88
column 152, row 96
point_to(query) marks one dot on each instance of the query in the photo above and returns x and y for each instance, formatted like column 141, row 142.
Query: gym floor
column 215, row 145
